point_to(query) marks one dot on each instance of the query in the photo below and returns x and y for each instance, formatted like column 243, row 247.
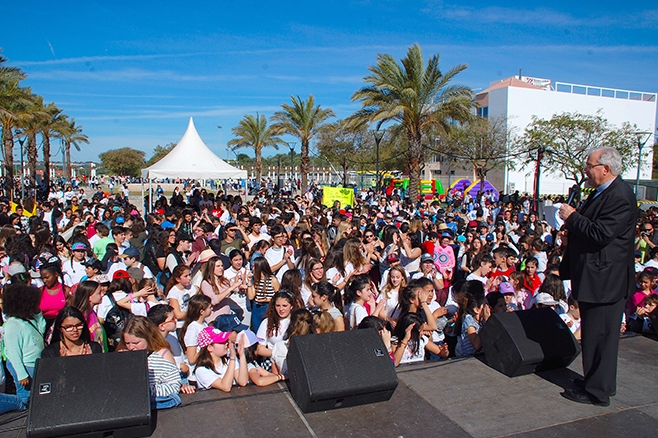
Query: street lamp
column 378, row 138
column 640, row 145
column 291, row 146
column 220, row 142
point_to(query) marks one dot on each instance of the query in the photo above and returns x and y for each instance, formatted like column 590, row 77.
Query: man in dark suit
column 599, row 261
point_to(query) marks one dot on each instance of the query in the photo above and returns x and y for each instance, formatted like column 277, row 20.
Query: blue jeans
column 18, row 402
column 258, row 315
column 167, row 401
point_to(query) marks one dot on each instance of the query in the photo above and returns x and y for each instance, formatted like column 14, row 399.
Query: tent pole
column 150, row 195
column 142, row 200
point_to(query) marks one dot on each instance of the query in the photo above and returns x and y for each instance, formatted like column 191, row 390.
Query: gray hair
column 609, row 157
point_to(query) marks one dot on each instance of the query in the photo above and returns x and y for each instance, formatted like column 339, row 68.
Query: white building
column 519, row 100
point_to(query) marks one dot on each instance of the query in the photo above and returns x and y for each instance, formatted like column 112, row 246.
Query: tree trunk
column 32, row 158
column 67, row 162
column 8, row 148
column 414, row 161
column 46, row 162
column 259, row 167
column 305, row 165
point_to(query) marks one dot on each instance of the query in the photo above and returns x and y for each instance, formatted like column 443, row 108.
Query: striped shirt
column 164, row 377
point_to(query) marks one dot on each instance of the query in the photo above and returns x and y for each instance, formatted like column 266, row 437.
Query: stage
column 453, row 398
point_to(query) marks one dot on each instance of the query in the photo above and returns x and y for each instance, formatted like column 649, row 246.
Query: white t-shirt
column 392, row 310
column 106, row 305
column 73, row 272
column 473, row 276
column 182, row 296
column 253, row 240
column 279, row 355
column 192, row 334
column 408, row 357
column 205, row 376
column 355, row 314
column 274, row 256
column 263, row 339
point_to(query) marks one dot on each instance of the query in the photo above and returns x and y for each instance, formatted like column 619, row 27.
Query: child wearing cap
column 74, row 269
column 217, row 363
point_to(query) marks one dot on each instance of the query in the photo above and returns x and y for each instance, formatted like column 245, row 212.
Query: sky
column 132, row 73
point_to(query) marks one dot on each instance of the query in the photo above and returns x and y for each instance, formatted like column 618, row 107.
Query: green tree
column 159, row 153
column 480, row 144
column 13, row 101
column 124, row 161
column 52, row 125
column 253, row 132
column 302, row 120
column 415, row 96
column 567, row 139
column 29, row 125
column 71, row 135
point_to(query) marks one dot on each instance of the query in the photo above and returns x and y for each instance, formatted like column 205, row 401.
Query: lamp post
column 21, row 141
column 640, row 145
column 291, row 146
column 220, row 141
column 378, row 138
column 540, row 155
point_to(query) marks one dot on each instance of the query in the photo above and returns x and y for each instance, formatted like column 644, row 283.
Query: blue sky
column 132, row 73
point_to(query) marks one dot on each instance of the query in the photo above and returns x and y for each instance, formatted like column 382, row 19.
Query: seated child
column 640, row 321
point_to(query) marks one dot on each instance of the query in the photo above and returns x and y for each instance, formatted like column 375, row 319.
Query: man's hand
column 565, row 211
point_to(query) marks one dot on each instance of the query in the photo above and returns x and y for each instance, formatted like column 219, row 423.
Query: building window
column 608, row 93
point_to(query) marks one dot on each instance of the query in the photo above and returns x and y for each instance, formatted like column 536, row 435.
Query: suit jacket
column 600, row 246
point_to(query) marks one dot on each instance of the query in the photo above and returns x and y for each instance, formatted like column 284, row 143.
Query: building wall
column 519, row 105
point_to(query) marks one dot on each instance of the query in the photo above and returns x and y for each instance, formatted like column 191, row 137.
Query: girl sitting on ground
column 217, row 364
column 164, row 378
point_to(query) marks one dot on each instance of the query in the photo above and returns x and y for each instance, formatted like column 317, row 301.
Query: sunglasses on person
column 70, row 328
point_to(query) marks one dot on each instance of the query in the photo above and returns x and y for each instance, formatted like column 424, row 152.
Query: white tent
column 191, row 158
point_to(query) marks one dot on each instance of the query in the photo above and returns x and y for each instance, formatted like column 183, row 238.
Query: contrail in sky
column 51, row 47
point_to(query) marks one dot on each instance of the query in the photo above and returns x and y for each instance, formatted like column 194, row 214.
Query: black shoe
column 578, row 396
column 580, row 384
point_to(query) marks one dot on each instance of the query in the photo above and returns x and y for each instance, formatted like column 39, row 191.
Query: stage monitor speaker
column 97, row 395
column 336, row 370
column 524, row 342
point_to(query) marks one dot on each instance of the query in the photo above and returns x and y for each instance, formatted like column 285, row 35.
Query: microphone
column 574, row 196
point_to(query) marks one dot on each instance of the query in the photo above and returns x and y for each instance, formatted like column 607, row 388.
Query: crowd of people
column 214, row 286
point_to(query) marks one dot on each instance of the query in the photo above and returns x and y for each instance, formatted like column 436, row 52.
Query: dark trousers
column 600, row 326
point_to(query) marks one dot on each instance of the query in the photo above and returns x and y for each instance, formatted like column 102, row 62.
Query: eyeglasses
column 369, row 236
column 592, row 166
column 174, row 319
column 70, row 328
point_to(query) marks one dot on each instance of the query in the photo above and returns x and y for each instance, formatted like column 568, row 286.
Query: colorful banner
column 331, row 194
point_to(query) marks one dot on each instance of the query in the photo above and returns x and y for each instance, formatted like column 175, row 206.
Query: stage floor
column 454, row 398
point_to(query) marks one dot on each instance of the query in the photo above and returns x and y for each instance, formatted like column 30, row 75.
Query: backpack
column 115, row 322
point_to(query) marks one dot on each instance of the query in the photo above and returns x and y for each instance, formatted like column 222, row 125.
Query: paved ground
column 455, row 398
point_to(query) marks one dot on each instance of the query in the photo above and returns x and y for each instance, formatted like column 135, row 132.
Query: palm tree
column 71, row 135
column 253, row 132
column 52, row 126
column 303, row 120
column 416, row 97
column 29, row 124
column 13, row 108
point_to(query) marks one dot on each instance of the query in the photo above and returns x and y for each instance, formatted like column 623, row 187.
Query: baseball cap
column 211, row 335
column 426, row 258
column 545, row 299
column 121, row 273
column 392, row 258
column 15, row 268
column 184, row 236
column 78, row 246
column 229, row 323
column 130, row 252
column 136, row 274
column 206, row 255
column 506, row 288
